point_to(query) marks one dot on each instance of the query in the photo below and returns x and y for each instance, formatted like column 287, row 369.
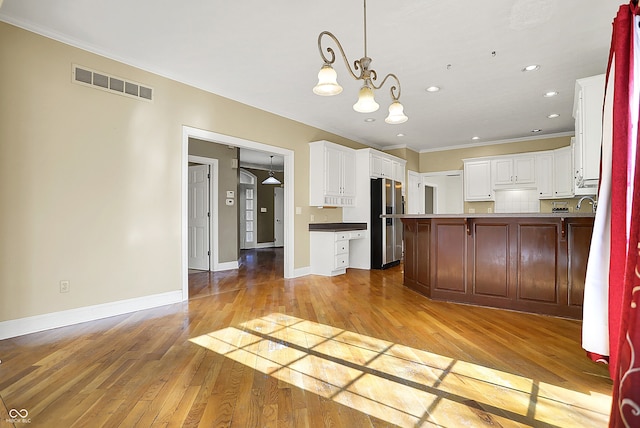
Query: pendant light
column 328, row 84
column 271, row 179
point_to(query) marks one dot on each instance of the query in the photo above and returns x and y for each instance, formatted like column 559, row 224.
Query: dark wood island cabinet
column 533, row 264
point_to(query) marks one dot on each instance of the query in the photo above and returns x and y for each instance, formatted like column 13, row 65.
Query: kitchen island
column 526, row 262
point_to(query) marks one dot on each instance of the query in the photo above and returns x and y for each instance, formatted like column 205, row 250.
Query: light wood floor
column 251, row 349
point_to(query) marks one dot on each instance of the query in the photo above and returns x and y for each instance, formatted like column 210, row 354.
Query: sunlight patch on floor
column 396, row 383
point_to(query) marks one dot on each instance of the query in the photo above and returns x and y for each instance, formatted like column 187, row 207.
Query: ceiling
column 265, row 54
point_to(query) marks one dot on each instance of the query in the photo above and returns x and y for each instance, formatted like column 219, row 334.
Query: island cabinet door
column 410, row 255
column 539, row 264
column 490, row 260
column 449, row 259
column 578, row 233
column 417, row 241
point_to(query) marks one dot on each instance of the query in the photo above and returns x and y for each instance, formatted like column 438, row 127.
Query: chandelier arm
column 393, row 87
column 332, row 59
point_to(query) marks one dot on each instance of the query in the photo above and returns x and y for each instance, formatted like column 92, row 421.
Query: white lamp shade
column 271, row 180
column 396, row 114
column 327, row 82
column 366, row 102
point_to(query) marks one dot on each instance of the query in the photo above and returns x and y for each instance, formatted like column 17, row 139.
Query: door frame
column 213, row 209
column 214, row 137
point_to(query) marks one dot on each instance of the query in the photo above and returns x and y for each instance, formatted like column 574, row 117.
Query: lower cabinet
column 417, row 272
column 330, row 251
column 531, row 264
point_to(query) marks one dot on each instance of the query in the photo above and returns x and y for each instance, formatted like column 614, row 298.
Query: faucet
column 594, row 203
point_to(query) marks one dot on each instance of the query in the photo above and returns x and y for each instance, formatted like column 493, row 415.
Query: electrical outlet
column 65, row 286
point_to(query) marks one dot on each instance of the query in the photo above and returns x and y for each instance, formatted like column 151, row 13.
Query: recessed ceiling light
column 551, row 94
column 369, row 119
column 531, row 67
column 553, row 115
column 536, row 130
column 433, row 89
column 400, row 135
column 475, row 138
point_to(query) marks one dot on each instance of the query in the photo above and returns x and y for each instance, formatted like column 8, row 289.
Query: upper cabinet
column 514, row 171
column 332, row 175
column 477, row 180
column 544, row 174
column 382, row 165
column 550, row 172
column 562, row 173
column 587, row 111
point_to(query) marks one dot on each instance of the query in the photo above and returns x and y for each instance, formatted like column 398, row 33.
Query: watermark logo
column 18, row 416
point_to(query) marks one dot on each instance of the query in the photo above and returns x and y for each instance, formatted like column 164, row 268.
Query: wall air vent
column 95, row 79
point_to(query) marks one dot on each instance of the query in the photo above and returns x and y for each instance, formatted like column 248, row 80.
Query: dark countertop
column 336, row 227
column 492, row 215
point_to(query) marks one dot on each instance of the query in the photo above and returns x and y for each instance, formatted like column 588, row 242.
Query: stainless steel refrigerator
column 386, row 233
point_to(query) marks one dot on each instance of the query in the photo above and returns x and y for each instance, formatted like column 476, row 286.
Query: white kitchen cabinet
column 332, row 175
column 587, row 112
column 509, row 171
column 379, row 167
column 544, row 174
column 562, row 173
column 330, row 251
column 398, row 171
column 382, row 165
column 477, row 180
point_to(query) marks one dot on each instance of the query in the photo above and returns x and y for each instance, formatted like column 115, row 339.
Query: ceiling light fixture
column 551, row 94
column 553, row 115
column 475, row 138
column 328, row 83
column 536, row 130
column 271, row 179
column 432, row 89
column 531, row 67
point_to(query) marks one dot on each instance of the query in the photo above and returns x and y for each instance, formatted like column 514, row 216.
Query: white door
column 198, row 223
column 278, row 216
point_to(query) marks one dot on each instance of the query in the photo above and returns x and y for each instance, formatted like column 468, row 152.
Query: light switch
column 263, row 210
column 231, row 194
column 230, row 201
column 298, row 210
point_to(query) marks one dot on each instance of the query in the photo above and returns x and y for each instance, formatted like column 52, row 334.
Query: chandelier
column 328, row 83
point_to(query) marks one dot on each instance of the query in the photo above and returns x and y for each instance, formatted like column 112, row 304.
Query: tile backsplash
column 517, row 201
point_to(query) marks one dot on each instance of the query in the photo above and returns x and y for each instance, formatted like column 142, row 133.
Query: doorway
column 430, row 198
column 289, row 209
column 447, row 194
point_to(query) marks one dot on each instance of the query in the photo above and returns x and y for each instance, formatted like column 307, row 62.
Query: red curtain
column 623, row 82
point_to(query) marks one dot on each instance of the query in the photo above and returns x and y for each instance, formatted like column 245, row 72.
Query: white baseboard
column 301, row 272
column 265, row 245
column 22, row 326
column 227, row 266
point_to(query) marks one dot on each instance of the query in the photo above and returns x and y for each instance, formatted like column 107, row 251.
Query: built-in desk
column 532, row 263
column 330, row 246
